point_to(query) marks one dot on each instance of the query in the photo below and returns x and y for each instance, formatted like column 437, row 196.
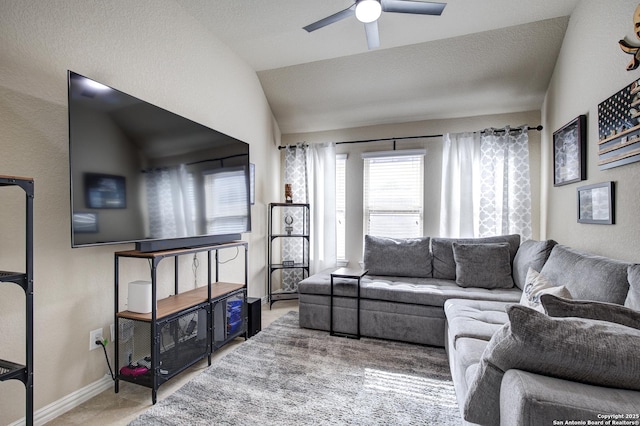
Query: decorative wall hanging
column 570, row 152
column 596, row 203
column 631, row 48
column 619, row 128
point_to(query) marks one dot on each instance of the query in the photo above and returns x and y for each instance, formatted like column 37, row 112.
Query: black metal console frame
column 155, row 324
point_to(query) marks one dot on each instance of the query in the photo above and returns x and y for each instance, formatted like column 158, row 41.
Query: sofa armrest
column 536, row 400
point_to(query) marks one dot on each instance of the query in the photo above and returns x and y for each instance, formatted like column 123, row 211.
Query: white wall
column 151, row 49
column 590, row 68
column 432, row 166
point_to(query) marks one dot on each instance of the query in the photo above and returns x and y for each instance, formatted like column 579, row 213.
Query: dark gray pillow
column 483, row 265
column 556, row 306
column 587, row 276
column 531, row 254
column 577, row 349
column 399, row 257
column 444, row 265
column 633, row 297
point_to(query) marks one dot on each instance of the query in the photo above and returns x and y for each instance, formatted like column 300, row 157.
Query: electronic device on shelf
column 142, row 174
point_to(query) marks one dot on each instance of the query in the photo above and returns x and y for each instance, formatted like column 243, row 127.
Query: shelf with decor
column 287, row 249
column 10, row 370
column 181, row 329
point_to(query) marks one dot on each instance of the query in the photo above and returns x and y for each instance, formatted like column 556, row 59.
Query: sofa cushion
column 408, row 257
column 476, row 319
column 562, row 307
column 633, row 297
column 531, row 254
column 535, row 286
column 568, row 348
column 444, row 265
column 483, row 265
column 587, row 276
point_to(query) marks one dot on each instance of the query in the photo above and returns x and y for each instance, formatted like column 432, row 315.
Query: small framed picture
column 596, row 203
column 570, row 152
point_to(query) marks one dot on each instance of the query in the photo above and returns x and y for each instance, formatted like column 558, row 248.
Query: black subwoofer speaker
column 254, row 305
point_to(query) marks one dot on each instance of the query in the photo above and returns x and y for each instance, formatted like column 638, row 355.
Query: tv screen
column 140, row 173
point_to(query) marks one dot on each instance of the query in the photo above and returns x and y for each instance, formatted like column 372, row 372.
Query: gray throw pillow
column 531, row 254
column 633, row 297
column 399, row 257
column 483, row 265
column 444, row 265
column 536, row 286
column 561, row 307
column 577, row 349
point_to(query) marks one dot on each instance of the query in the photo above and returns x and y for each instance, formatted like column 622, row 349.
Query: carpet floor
column 286, row 375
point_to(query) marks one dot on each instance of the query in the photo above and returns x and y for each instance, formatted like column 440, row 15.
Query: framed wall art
column 596, row 203
column 570, row 152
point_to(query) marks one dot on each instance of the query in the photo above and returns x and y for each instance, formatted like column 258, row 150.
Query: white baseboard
column 64, row 404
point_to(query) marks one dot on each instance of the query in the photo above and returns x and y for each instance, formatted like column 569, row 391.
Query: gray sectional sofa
column 565, row 349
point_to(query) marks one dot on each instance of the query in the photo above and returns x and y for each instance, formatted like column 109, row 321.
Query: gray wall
column 153, row 50
column 590, row 68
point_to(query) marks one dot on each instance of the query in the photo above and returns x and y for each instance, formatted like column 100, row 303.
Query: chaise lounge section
column 563, row 349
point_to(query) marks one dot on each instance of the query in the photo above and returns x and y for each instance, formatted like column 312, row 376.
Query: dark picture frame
column 596, row 203
column 105, row 191
column 570, row 152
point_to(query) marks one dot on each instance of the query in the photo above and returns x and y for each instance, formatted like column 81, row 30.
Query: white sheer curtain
column 321, row 187
column 485, row 184
column 460, row 185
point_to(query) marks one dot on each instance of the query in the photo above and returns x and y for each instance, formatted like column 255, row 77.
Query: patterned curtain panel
column 486, row 189
column 505, row 190
column 295, row 173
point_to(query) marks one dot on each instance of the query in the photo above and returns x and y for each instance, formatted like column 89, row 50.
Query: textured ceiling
column 479, row 57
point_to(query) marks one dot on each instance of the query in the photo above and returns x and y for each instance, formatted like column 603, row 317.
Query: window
column 393, row 193
column 341, row 199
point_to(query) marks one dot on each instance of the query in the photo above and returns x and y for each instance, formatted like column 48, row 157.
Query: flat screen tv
column 142, row 174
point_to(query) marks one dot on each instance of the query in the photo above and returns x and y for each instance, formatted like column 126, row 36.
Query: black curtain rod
column 538, row 128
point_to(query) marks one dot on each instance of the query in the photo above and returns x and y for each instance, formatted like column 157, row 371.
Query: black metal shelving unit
column 183, row 328
column 279, row 232
column 10, row 370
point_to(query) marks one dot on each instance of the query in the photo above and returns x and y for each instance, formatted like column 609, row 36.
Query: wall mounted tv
column 142, row 174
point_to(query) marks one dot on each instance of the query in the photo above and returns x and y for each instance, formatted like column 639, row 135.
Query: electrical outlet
column 93, row 336
column 113, row 332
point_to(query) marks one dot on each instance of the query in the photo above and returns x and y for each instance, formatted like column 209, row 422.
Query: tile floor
column 110, row 408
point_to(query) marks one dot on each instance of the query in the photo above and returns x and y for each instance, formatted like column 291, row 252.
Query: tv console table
column 182, row 329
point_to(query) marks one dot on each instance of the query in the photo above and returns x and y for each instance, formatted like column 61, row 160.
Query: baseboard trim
column 64, row 404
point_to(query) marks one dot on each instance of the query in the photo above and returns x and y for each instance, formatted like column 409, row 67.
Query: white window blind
column 341, row 207
column 393, row 193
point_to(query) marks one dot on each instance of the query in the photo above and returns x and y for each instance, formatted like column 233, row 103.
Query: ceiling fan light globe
column 368, row 10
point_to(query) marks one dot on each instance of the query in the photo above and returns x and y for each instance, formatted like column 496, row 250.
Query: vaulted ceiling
column 479, row 57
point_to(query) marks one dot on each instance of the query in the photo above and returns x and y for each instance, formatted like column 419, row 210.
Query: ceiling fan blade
column 373, row 36
column 331, row 19
column 409, row 6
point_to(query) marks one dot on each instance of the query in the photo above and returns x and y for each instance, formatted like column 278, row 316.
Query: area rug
column 286, row 375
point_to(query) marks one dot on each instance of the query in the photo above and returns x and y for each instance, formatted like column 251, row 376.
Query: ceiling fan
column 368, row 12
